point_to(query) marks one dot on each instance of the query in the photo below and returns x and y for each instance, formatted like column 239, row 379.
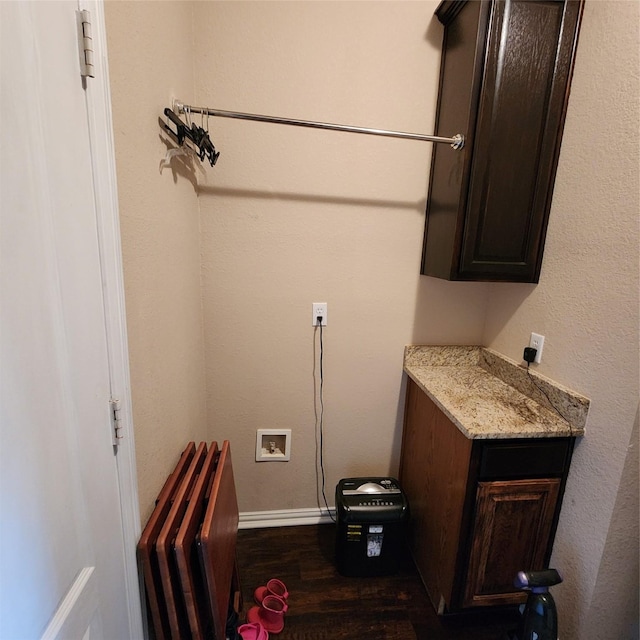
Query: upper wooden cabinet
column 504, row 83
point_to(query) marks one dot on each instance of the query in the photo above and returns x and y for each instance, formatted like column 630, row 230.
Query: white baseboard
column 284, row 518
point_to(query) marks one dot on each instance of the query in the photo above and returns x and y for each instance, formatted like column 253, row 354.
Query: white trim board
column 100, row 124
column 285, row 518
column 73, row 616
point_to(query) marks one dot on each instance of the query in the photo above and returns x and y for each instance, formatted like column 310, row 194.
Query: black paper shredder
column 371, row 517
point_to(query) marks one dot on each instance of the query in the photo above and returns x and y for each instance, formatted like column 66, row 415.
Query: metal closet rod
column 456, row 141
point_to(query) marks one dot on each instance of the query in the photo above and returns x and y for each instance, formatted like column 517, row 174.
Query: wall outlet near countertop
column 536, row 341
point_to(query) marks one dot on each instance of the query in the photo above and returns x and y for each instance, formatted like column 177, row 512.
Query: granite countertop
column 487, row 395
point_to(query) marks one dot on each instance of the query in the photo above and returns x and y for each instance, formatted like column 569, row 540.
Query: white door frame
column 98, row 97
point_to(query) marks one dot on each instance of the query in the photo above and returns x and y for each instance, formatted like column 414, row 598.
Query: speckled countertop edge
column 487, row 395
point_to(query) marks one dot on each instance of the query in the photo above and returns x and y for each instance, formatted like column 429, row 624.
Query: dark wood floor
column 323, row 605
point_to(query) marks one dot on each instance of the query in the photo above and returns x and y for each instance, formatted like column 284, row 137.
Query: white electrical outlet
column 536, row 341
column 319, row 311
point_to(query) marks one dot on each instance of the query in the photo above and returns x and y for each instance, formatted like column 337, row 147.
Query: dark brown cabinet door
column 512, row 530
column 504, row 82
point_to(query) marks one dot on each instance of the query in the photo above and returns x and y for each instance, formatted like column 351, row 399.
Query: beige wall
column 586, row 305
column 151, row 59
column 616, row 587
column 291, row 216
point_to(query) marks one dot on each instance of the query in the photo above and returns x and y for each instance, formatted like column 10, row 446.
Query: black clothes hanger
column 197, row 135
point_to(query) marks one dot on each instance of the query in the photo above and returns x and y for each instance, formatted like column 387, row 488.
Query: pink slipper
column 270, row 615
column 253, row 631
column 273, row 588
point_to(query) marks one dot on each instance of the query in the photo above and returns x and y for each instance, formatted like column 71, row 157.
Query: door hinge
column 116, row 424
column 86, row 43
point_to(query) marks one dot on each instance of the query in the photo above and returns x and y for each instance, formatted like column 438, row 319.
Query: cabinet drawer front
column 528, row 459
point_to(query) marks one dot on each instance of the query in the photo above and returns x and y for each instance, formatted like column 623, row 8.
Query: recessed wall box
column 273, row 445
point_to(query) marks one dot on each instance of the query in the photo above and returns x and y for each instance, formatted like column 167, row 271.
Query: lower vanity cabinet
column 481, row 509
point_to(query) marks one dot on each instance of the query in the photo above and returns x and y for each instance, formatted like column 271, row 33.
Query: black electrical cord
column 321, row 425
